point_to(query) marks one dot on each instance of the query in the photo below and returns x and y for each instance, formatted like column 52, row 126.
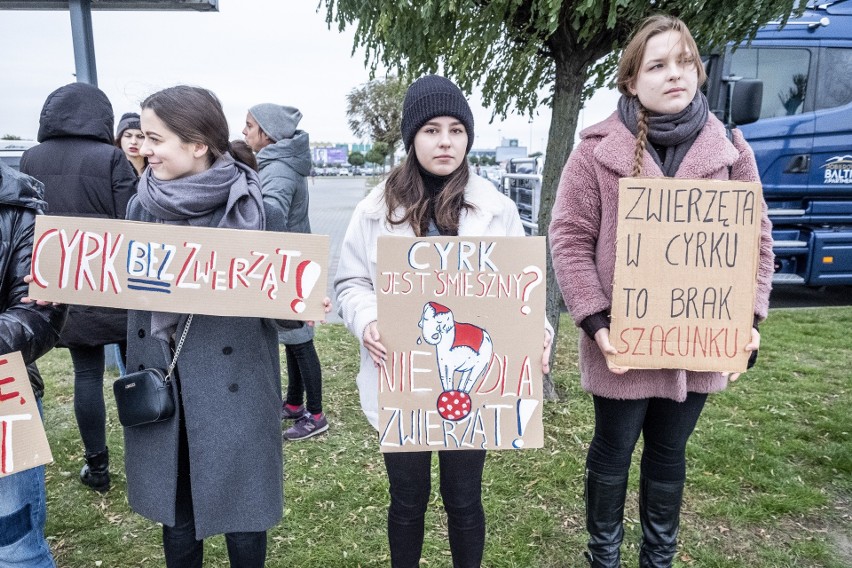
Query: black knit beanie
column 128, row 120
column 432, row 96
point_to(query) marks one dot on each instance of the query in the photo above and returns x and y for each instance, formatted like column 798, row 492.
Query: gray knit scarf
column 198, row 200
column 676, row 132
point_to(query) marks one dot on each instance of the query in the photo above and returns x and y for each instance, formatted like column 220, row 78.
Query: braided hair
column 641, row 141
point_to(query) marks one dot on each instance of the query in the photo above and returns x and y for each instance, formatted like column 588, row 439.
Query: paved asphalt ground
column 332, row 202
column 334, row 198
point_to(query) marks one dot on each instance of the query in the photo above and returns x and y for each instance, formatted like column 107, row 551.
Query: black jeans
column 304, row 376
column 461, row 491
column 182, row 550
column 89, row 395
column 665, row 425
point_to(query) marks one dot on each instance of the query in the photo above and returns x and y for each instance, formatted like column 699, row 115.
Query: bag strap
column 178, row 348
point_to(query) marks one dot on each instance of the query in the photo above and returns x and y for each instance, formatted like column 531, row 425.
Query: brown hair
column 631, row 62
column 242, row 152
column 195, row 115
column 405, row 189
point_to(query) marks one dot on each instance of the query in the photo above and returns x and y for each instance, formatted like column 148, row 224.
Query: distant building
column 483, row 153
column 508, row 149
column 362, row 148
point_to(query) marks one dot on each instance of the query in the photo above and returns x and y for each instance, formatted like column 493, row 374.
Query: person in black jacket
column 84, row 175
column 31, row 329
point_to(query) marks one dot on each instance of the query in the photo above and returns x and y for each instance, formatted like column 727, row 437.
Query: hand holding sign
column 602, row 339
column 373, row 344
column 753, row 345
column 28, row 279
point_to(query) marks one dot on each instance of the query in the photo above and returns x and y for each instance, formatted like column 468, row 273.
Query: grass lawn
column 769, row 472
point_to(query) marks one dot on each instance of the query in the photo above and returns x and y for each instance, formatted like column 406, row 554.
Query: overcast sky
column 251, row 51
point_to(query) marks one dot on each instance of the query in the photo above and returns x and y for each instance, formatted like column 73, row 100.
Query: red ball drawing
column 453, row 405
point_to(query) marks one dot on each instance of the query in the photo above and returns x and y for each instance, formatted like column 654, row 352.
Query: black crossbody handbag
column 146, row 397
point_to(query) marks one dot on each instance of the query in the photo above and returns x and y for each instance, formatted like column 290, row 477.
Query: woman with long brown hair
column 431, row 193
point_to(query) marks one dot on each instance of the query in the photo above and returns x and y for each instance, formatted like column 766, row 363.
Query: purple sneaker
column 287, row 414
column 305, row 427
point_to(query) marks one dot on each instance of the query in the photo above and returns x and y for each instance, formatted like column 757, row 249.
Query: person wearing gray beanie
column 431, row 193
column 432, row 96
column 284, row 162
column 277, row 121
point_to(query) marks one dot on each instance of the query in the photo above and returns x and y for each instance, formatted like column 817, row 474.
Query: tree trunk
column 571, row 71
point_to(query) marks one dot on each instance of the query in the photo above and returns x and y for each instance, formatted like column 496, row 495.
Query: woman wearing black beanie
column 129, row 139
column 430, row 194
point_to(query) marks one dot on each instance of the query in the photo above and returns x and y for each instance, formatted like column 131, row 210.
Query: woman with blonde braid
column 662, row 128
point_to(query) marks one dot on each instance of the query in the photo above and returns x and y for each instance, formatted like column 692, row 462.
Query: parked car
column 12, row 150
column 492, row 174
column 344, row 172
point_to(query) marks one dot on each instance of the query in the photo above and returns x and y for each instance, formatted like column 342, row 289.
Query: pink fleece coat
column 582, row 241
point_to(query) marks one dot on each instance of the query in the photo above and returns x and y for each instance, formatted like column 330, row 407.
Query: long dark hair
column 195, row 115
column 405, row 189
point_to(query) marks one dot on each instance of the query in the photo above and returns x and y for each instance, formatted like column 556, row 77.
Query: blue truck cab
column 803, row 137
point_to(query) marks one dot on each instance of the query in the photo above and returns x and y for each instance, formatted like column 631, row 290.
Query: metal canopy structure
column 135, row 5
column 81, row 22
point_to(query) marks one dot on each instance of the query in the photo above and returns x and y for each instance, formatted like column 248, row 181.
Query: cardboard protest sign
column 23, row 443
column 685, row 273
column 168, row 268
column 462, row 319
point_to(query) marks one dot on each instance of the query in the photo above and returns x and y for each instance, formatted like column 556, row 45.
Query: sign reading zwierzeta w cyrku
column 686, row 265
column 169, row 268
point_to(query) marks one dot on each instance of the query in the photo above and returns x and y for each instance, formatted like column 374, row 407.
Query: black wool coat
column 84, row 175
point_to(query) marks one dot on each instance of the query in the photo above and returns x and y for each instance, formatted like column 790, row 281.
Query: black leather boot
column 95, row 473
column 659, row 515
column 604, row 518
